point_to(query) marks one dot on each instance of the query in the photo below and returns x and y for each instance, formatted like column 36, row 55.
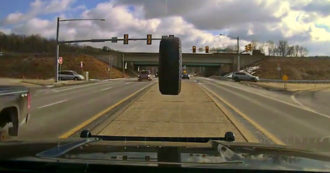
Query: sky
column 195, row 22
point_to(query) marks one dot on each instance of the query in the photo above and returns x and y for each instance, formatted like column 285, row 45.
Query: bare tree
column 271, row 48
column 283, row 47
column 291, row 51
column 254, row 44
column 296, row 50
column 304, row 52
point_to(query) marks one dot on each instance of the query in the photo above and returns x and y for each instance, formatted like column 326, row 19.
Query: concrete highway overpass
column 224, row 62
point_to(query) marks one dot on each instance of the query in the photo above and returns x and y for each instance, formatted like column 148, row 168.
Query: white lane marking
column 293, row 97
column 270, row 108
column 75, row 87
column 52, row 104
column 281, row 101
column 127, row 83
column 104, row 89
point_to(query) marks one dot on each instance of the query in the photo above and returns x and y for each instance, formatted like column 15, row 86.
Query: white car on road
column 243, row 76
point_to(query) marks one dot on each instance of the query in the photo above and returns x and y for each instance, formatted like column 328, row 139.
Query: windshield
column 258, row 69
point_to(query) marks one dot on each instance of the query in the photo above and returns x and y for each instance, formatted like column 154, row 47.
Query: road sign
column 285, row 77
column 60, row 60
column 81, row 64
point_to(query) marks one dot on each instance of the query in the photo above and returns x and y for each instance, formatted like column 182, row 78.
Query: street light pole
column 57, row 49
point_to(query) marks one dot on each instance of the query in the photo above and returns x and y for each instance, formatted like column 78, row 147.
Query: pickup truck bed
column 15, row 104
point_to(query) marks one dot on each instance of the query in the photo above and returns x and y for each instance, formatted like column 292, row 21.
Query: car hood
column 212, row 154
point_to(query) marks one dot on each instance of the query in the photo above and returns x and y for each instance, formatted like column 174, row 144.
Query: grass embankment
column 42, row 67
column 295, row 68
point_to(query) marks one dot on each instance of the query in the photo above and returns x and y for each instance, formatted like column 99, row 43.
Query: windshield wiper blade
column 229, row 136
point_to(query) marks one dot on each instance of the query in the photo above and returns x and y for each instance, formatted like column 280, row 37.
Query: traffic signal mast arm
column 113, row 39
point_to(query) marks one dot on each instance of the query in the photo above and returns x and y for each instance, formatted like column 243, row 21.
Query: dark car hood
column 212, row 154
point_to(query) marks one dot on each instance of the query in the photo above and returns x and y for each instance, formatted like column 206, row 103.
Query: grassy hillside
column 295, row 68
column 42, row 67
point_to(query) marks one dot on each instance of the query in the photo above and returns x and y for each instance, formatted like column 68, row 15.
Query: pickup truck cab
column 15, row 105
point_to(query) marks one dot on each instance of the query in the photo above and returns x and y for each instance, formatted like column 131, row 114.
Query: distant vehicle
column 243, row 76
column 1, row 53
column 144, row 75
column 185, row 76
column 70, row 75
column 15, row 104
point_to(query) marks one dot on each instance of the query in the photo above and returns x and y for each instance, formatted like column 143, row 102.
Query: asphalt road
column 318, row 101
column 276, row 116
column 57, row 110
column 289, row 122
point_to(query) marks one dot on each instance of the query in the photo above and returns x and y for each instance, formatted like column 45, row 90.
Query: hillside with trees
column 37, row 44
column 32, row 57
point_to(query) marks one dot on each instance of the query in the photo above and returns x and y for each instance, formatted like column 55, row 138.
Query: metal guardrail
column 294, row 81
column 278, row 80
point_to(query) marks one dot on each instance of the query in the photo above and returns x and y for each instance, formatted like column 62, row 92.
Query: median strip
column 98, row 115
column 252, row 122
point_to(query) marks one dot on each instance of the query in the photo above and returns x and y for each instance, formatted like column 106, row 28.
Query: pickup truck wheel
column 236, row 79
column 170, row 65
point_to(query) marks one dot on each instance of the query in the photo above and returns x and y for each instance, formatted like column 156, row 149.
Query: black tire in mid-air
column 170, row 66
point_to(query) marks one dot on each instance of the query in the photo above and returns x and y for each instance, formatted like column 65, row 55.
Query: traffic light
column 149, row 39
column 125, row 38
column 194, row 49
column 250, row 47
column 206, row 49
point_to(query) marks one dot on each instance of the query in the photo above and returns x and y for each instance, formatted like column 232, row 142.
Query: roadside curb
column 250, row 84
column 57, row 85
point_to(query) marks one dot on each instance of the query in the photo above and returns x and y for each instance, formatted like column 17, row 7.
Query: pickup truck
column 15, row 105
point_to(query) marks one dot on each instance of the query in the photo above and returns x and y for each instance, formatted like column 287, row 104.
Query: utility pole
column 110, row 65
column 238, row 57
column 57, row 49
column 123, row 56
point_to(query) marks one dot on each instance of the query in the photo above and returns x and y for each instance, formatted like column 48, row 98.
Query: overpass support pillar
column 235, row 63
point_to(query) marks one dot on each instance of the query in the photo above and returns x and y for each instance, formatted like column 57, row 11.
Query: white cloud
column 38, row 7
column 36, row 26
column 295, row 20
column 13, row 18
